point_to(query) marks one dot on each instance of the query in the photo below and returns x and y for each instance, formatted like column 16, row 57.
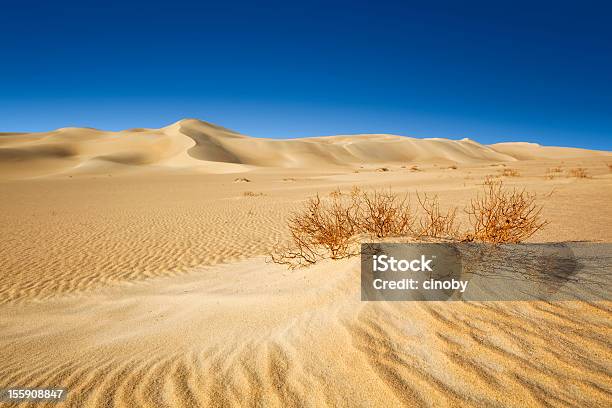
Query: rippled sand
column 151, row 288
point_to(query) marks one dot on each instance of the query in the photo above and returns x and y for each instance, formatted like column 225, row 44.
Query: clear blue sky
column 491, row 71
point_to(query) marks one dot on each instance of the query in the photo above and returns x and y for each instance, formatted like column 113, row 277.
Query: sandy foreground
column 133, row 272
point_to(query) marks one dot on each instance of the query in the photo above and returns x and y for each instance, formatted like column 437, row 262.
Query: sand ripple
column 254, row 334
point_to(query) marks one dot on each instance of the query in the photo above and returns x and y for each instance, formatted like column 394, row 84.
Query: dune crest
column 191, row 144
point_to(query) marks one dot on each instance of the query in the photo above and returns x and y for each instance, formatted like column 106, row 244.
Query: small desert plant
column 507, row 172
column 489, row 178
column 503, row 216
column 322, row 229
column 553, row 172
column 415, row 168
column 330, row 228
column 252, row 194
column 434, row 222
column 382, row 169
column 335, row 194
column 382, row 213
column 241, row 180
column 453, row 167
column 579, row 172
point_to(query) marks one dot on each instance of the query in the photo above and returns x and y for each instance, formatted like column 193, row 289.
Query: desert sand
column 133, row 272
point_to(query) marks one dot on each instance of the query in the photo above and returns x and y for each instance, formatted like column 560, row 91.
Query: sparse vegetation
column 453, row 167
column 503, row 216
column 382, row 169
column 434, row 222
column 322, row 229
column 241, row 180
column 335, row 193
column 579, row 172
column 330, row 228
column 508, row 172
column 382, row 213
column 252, row 194
column 553, row 172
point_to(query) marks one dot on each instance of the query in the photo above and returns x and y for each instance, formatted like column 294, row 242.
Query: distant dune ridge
column 191, row 144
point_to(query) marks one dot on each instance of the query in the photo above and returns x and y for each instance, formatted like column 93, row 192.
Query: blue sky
column 491, row 71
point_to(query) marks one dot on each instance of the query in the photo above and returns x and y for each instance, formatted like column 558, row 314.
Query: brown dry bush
column 579, row 172
column 335, row 194
column 435, row 223
column 510, row 172
column 551, row 173
column 503, row 216
column 330, row 228
column 322, row 229
column 382, row 213
column 252, row 194
column 610, row 167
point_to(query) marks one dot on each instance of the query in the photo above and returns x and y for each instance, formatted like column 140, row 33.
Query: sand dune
column 132, row 272
column 530, row 151
column 193, row 145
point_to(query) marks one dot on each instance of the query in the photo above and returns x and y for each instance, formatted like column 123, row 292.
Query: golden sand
column 133, row 273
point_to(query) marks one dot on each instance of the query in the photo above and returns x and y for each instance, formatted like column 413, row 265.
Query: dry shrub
column 579, row 172
column 553, row 172
column 252, row 194
column 382, row 213
column 382, row 169
column 241, row 180
column 415, row 168
column 492, row 177
column 322, row 229
column 610, row 167
column 503, row 216
column 509, row 172
column 330, row 228
column 335, row 194
column 453, row 167
column 434, row 222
